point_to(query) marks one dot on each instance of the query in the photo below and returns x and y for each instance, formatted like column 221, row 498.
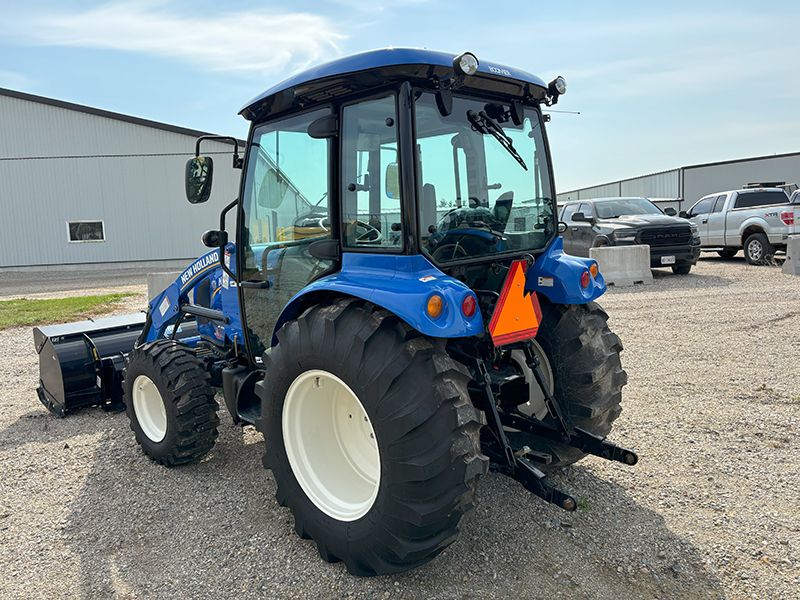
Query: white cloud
column 256, row 41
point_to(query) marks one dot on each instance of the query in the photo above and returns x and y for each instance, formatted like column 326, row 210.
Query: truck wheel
column 729, row 253
column 757, row 249
column 370, row 435
column 170, row 402
column 681, row 269
column 582, row 354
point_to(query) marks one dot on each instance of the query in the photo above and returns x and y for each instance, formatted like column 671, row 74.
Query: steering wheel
column 364, row 233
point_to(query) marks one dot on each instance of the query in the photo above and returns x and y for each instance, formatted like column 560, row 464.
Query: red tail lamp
column 469, row 305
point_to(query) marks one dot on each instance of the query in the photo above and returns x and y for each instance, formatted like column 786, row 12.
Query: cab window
column 370, row 179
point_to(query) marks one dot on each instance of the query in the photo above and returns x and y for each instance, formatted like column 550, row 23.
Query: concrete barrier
column 792, row 263
column 158, row 282
column 623, row 265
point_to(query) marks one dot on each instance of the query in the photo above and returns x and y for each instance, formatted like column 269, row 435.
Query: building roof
column 103, row 113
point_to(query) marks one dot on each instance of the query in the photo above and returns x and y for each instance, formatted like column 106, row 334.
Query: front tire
column 170, row 402
column 727, row 253
column 757, row 249
column 583, row 355
column 681, row 269
column 370, row 435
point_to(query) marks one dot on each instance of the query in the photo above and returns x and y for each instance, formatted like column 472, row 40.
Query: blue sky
column 658, row 85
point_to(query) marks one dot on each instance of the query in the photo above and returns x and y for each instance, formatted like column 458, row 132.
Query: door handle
column 705, row 221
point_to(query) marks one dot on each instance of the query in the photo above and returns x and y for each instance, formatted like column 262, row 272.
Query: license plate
column 667, row 260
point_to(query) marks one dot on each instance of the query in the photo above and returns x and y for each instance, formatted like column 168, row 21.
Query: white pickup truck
column 760, row 220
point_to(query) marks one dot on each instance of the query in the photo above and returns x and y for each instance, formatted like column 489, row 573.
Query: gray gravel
column 712, row 407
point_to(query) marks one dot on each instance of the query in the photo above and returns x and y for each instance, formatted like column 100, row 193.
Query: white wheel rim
column 535, row 406
column 149, row 408
column 331, row 445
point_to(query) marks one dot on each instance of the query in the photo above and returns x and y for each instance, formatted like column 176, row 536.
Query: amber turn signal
column 435, row 306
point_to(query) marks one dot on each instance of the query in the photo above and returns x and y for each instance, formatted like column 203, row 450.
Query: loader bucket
column 81, row 364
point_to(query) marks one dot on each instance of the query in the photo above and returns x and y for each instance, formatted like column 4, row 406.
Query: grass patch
column 21, row 312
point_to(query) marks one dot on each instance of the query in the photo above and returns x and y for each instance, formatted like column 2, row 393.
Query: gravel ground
column 712, row 407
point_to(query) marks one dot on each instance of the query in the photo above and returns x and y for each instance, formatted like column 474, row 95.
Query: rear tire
column 170, row 402
column 587, row 375
column 757, row 249
column 681, row 269
column 730, row 253
column 370, row 435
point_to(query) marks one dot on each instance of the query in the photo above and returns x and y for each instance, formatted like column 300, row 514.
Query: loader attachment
column 81, row 364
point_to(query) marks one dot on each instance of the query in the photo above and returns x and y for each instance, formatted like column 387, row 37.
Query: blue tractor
column 394, row 310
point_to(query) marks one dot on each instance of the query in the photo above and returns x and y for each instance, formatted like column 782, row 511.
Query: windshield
column 484, row 182
column 611, row 209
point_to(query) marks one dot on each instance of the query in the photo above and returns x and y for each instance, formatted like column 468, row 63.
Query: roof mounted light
column 466, row 64
column 556, row 88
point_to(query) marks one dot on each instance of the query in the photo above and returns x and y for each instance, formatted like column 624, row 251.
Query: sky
column 652, row 86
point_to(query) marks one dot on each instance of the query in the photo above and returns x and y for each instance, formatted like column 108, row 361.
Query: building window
column 85, row 231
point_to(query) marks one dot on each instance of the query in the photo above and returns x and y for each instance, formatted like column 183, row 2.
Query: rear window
column 765, row 198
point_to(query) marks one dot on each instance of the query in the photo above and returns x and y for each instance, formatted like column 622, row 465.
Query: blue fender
column 557, row 276
column 402, row 285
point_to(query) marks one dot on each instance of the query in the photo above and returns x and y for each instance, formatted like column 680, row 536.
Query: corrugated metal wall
column 689, row 184
column 707, row 179
column 59, row 165
column 658, row 185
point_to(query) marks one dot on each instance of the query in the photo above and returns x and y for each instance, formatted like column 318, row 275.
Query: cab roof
column 358, row 72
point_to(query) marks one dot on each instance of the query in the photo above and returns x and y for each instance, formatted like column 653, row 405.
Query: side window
column 701, row 208
column 586, row 209
column 569, row 210
column 370, row 191
column 720, row 202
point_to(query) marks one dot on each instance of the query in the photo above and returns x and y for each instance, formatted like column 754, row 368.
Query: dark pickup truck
column 674, row 242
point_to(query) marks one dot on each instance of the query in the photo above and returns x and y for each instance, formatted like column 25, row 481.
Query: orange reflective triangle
column 517, row 315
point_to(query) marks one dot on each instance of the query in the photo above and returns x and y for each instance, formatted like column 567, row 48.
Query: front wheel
column 581, row 363
column 681, row 269
column 757, row 249
column 370, row 435
column 170, row 402
column 727, row 253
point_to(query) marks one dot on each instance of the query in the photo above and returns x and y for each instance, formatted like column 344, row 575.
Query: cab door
column 285, row 208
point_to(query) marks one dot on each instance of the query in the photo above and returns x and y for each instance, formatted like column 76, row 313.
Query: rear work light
column 787, row 217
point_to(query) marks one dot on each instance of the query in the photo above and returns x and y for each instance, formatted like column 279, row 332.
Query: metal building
column 88, row 188
column 680, row 188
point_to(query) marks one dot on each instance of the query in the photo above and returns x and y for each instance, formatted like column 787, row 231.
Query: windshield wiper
column 485, row 124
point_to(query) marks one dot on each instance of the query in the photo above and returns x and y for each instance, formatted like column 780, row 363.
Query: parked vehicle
column 601, row 222
column 387, row 354
column 758, row 220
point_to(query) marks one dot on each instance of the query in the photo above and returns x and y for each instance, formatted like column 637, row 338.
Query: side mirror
column 199, row 174
column 670, row 212
column 683, row 214
column 392, row 181
column 582, row 218
column 562, row 227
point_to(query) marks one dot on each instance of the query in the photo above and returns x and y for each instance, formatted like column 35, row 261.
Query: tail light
column 787, row 217
column 585, row 279
column 468, row 306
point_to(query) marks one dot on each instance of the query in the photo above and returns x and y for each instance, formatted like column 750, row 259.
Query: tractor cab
column 384, row 156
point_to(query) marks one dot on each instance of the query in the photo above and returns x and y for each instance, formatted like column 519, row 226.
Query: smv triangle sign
column 516, row 316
